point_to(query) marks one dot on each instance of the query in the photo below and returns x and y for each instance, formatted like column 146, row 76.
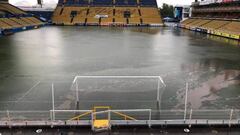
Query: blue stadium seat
column 126, row 3
column 102, row 3
column 82, row 2
column 69, row 2
column 148, row 3
column 76, row 2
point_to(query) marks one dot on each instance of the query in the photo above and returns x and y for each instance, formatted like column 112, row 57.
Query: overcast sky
column 51, row 2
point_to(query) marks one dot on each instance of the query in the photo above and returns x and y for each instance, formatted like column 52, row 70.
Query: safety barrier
column 225, row 34
column 213, row 32
column 144, row 117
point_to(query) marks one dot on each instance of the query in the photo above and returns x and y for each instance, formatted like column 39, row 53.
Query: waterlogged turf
column 31, row 61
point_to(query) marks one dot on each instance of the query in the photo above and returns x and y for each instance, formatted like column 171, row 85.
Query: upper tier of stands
column 12, row 17
column 102, row 12
column 147, row 3
column 230, row 10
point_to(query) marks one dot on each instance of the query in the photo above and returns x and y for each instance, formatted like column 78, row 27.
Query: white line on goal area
column 26, row 93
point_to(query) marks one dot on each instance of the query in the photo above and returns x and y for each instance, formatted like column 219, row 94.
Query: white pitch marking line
column 25, row 94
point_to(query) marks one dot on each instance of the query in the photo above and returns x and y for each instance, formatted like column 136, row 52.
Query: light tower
column 40, row 2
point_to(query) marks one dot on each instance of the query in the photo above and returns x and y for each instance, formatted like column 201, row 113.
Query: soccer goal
column 119, row 87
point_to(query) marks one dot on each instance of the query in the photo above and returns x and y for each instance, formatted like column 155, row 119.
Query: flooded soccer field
column 31, row 61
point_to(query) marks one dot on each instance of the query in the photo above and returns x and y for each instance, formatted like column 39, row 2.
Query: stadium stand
column 221, row 18
column 107, row 12
column 149, row 15
column 13, row 19
column 214, row 24
column 10, row 8
column 232, row 27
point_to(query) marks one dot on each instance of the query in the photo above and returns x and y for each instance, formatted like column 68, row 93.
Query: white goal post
column 159, row 78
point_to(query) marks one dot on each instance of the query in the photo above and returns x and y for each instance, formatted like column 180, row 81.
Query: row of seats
column 109, row 2
column 231, row 27
column 13, row 22
column 11, row 9
column 218, row 9
column 142, row 15
column 148, row 2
